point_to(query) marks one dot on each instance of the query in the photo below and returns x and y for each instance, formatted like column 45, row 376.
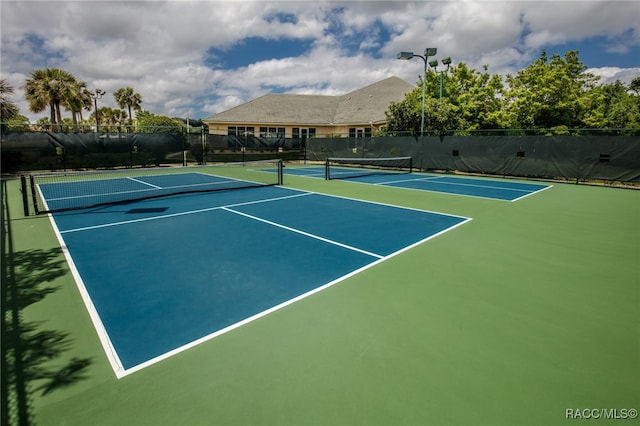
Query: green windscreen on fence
column 611, row 158
column 585, row 157
column 50, row 151
column 68, row 151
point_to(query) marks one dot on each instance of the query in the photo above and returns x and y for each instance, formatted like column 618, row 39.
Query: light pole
column 434, row 65
column 97, row 95
column 186, row 144
column 429, row 51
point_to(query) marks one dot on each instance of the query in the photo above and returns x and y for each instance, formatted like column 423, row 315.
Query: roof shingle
column 365, row 105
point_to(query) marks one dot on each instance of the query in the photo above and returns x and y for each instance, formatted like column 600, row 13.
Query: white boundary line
column 389, row 205
column 281, row 305
column 455, row 183
column 411, row 180
column 152, row 188
column 156, row 187
column 107, row 345
column 208, row 209
column 433, row 177
column 531, row 193
column 101, row 331
column 440, row 192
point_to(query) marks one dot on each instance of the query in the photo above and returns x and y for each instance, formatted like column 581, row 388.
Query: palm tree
column 48, row 87
column 8, row 109
column 110, row 117
column 126, row 97
column 79, row 98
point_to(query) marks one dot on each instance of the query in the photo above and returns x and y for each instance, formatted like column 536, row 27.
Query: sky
column 197, row 58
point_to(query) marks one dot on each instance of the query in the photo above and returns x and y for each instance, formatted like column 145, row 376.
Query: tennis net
column 62, row 191
column 345, row 168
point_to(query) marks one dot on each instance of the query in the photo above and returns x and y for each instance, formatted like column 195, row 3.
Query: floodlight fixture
column 434, row 63
column 446, row 61
column 405, row 55
column 429, row 51
column 97, row 95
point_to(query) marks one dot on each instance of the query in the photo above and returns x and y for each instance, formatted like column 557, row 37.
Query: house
column 275, row 115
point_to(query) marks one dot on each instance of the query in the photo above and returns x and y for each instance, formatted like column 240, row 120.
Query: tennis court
column 474, row 187
column 237, row 247
column 318, row 301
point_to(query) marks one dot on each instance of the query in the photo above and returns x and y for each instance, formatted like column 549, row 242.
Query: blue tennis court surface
column 87, row 192
column 475, row 187
column 161, row 275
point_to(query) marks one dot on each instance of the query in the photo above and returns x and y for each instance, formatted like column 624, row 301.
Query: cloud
column 163, row 49
column 610, row 75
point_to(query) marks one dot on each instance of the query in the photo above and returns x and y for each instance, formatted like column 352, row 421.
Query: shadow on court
column 28, row 348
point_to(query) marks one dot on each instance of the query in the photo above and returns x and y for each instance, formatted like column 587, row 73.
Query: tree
column 151, row 123
column 477, row 95
column 621, row 109
column 635, row 85
column 127, row 98
column 110, row 117
column 406, row 115
column 548, row 93
column 471, row 100
column 77, row 99
column 441, row 115
column 17, row 122
column 8, row 109
column 49, row 87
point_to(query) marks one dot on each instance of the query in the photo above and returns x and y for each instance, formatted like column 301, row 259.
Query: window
column 272, row 132
column 241, row 131
column 298, row 133
column 360, row 132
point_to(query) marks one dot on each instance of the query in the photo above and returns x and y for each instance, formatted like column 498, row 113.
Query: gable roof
column 368, row 105
column 365, row 105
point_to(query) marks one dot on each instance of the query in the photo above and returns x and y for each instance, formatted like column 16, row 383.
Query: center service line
column 298, row 231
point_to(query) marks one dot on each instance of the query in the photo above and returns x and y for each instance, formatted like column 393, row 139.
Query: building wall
column 313, row 130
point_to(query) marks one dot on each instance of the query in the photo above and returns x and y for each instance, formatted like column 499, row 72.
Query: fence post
column 25, row 194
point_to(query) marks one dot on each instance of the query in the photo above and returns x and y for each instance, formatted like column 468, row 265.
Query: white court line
column 144, row 183
column 390, row 205
column 105, row 340
column 458, row 184
column 531, row 193
column 122, row 373
column 133, row 191
column 306, row 234
column 103, row 336
column 164, row 216
column 410, row 180
column 449, row 193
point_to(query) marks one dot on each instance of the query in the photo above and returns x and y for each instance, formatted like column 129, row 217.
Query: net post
column 34, row 196
column 25, row 194
column 326, row 169
column 280, row 172
column 410, row 164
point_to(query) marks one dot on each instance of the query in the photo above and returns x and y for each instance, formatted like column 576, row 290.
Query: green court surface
column 527, row 311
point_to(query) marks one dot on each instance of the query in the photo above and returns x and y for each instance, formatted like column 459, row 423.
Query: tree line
column 553, row 92
column 54, row 89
